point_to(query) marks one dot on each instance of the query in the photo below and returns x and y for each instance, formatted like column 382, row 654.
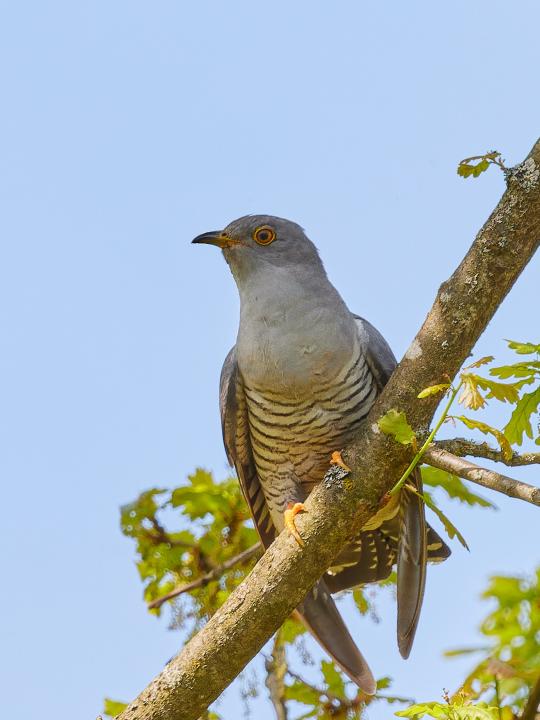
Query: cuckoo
column 294, row 390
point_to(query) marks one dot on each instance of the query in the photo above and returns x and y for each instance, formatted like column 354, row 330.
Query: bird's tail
column 320, row 615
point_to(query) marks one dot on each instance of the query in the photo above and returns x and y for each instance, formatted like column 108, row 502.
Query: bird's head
column 257, row 244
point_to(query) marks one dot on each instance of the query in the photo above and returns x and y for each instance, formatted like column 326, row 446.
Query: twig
column 276, row 669
column 158, row 535
column 444, row 460
column 420, row 453
column 213, row 574
column 492, row 157
column 462, row 447
column 533, row 702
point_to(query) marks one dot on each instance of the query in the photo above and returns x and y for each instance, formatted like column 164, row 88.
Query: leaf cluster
column 476, row 165
column 510, row 662
column 458, row 709
column 335, row 696
column 183, row 535
column 213, row 525
column 477, row 390
column 474, row 391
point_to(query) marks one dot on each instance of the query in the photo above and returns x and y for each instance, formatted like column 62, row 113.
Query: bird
column 294, row 390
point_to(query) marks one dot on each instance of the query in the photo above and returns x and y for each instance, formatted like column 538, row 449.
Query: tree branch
column 533, row 702
column 341, row 504
column 444, row 460
column 276, row 669
column 463, row 447
column 213, row 574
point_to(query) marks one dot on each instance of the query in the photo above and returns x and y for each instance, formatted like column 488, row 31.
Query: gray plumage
column 298, row 384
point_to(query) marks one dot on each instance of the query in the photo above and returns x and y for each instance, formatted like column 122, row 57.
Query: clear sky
column 126, row 129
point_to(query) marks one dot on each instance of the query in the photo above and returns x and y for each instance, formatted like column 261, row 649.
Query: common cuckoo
column 295, row 388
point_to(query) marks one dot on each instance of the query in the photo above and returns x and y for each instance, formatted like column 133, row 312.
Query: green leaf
column 112, row 708
column 143, row 508
column 333, row 679
column 361, row 601
column 520, row 421
column 432, row 709
column 466, row 170
column 301, row 693
column 451, row 711
column 483, row 361
column 470, row 396
column 395, row 423
column 488, row 430
column 523, row 348
column 389, row 581
column 450, row 528
column 433, row 390
column 528, row 370
column 291, row 629
column 384, row 683
column 505, row 392
column 201, row 496
column 454, row 487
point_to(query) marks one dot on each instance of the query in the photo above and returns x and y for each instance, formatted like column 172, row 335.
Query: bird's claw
column 292, row 510
column 336, row 459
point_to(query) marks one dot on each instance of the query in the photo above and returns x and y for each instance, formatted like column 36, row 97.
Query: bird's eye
column 264, row 235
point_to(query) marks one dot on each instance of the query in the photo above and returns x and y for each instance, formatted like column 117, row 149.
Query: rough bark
column 482, row 476
column 463, row 446
column 340, row 505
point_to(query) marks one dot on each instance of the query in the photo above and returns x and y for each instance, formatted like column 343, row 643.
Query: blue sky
column 126, row 129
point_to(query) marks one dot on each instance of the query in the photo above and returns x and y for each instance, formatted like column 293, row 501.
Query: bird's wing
column 236, row 437
column 412, row 549
column 318, row 611
column 379, row 355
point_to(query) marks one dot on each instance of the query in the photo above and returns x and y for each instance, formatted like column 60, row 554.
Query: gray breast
column 295, row 430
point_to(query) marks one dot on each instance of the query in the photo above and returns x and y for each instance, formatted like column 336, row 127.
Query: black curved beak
column 214, row 237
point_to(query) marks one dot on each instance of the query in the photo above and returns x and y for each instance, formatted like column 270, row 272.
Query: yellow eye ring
column 264, row 235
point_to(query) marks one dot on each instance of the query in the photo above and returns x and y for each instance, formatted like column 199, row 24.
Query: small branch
column 420, row 453
column 158, row 535
column 462, row 447
column 276, row 669
column 532, row 706
column 213, row 574
column 444, row 460
column 492, row 157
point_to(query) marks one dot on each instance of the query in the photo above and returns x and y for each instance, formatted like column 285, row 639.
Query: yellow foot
column 289, row 515
column 336, row 459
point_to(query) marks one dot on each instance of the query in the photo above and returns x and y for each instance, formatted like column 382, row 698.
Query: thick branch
column 213, row 574
column 339, row 506
column 481, row 476
column 463, row 447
